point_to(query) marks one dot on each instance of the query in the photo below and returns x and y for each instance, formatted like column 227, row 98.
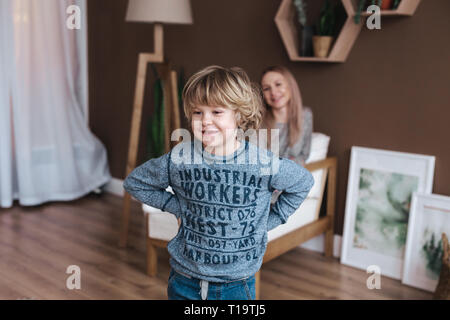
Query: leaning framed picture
column 379, row 192
column 429, row 218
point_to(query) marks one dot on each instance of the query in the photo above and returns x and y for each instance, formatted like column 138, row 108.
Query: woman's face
column 275, row 89
column 215, row 127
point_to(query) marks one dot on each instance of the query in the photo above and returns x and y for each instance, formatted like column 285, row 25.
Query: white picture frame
column 430, row 216
column 387, row 180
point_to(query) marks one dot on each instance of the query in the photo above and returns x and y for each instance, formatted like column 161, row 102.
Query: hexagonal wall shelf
column 342, row 45
column 285, row 22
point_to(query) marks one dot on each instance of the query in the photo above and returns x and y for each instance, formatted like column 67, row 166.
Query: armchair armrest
column 330, row 162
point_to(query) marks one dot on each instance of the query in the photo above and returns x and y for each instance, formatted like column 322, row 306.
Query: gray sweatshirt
column 223, row 203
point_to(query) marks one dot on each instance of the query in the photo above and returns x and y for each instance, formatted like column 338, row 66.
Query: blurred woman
column 284, row 110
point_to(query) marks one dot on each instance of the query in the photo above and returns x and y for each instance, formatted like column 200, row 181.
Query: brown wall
column 392, row 93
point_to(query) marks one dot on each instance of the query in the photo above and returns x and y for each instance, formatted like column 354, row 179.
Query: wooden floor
column 38, row 244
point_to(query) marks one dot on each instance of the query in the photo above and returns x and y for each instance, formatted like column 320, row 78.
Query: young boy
column 222, row 190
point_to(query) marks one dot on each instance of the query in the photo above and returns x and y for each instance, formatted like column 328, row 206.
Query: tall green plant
column 327, row 21
column 155, row 128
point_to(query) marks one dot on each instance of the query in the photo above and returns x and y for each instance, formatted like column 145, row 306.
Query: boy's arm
column 294, row 182
column 148, row 182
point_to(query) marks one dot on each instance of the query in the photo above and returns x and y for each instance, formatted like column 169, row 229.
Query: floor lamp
column 158, row 12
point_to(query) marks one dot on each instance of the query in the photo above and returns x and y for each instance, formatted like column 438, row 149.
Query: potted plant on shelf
column 363, row 4
column 306, row 32
column 383, row 4
column 325, row 30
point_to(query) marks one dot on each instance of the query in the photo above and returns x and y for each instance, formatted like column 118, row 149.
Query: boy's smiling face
column 216, row 128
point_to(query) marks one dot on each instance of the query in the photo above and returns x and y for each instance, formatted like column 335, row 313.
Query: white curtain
column 47, row 151
column 6, row 77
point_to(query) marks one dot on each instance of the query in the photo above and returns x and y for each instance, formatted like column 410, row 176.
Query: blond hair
column 225, row 87
column 294, row 107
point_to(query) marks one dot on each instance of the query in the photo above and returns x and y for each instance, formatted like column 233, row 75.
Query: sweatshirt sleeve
column 294, row 182
column 148, row 182
column 301, row 150
column 307, row 131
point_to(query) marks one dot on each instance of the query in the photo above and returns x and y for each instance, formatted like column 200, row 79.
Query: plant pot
column 386, row 4
column 322, row 46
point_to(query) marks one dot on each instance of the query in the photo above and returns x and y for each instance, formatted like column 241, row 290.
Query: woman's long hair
column 295, row 107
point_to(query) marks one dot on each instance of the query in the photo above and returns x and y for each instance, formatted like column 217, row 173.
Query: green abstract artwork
column 382, row 212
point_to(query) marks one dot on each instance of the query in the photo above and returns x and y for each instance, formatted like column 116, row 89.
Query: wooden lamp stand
column 171, row 113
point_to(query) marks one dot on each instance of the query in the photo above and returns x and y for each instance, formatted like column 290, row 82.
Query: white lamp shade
column 160, row 11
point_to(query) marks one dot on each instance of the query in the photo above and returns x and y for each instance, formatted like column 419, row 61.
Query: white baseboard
column 115, row 186
column 317, row 244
